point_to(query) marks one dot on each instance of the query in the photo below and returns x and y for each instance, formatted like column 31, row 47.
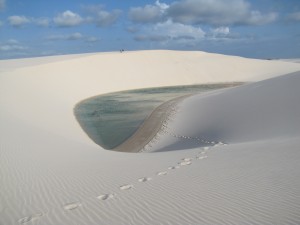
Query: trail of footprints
column 126, row 187
column 165, row 130
column 30, row 218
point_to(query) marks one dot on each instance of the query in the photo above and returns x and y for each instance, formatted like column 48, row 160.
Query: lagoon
column 110, row 119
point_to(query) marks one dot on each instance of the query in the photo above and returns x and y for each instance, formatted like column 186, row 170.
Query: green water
column 112, row 118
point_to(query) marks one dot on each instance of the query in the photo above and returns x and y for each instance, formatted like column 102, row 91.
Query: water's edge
column 126, row 121
column 150, row 127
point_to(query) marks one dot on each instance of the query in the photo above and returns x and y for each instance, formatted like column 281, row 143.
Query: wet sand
column 150, row 127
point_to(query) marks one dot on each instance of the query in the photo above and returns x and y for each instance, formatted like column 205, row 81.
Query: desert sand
column 225, row 157
column 294, row 60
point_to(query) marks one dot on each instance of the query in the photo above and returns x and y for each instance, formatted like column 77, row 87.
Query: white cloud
column 71, row 37
column 75, row 36
column 12, row 42
column 8, row 47
column 68, row 19
column 50, row 52
column 104, row 18
column 2, row 4
column 217, row 12
column 169, row 31
column 152, row 37
column 257, row 18
column 92, row 39
column 221, row 31
column 42, row 22
column 132, row 29
column 56, row 37
column 12, row 45
column 225, row 34
column 161, row 5
column 294, row 16
column 148, row 13
column 18, row 21
column 176, row 30
column 221, row 34
column 101, row 17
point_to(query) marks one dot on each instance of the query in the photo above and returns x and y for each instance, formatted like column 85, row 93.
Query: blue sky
column 249, row 28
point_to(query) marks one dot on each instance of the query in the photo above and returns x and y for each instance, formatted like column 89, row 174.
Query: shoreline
column 150, row 127
column 81, row 76
column 154, row 123
column 111, row 128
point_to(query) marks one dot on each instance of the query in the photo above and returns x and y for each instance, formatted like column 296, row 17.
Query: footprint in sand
column 106, row 196
column 30, row 218
column 71, row 206
column 219, row 144
column 161, row 173
column 187, row 159
column 144, row 179
column 126, row 187
column 201, row 157
column 173, row 167
column 185, row 163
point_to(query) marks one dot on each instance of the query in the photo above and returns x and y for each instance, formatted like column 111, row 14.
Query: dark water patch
column 112, row 118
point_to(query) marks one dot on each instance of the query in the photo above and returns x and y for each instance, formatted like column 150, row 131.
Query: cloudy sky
column 250, row 28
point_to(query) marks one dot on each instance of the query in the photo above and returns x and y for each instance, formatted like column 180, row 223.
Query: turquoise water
column 112, row 118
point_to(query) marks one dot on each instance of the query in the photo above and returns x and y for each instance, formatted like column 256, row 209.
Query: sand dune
column 51, row 173
column 61, row 84
column 295, row 60
column 258, row 111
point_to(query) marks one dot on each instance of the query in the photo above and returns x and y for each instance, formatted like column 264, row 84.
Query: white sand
column 294, row 60
column 51, row 173
column 34, row 93
column 262, row 110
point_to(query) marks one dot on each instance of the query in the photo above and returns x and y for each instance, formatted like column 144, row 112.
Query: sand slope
column 258, row 111
column 51, row 173
column 33, row 93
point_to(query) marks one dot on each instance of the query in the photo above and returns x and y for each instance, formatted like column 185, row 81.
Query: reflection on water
column 112, row 118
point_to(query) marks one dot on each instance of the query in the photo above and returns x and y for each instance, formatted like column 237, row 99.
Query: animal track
column 30, row 218
column 126, row 187
column 71, row 206
column 162, row 173
column 106, row 196
column 144, row 179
